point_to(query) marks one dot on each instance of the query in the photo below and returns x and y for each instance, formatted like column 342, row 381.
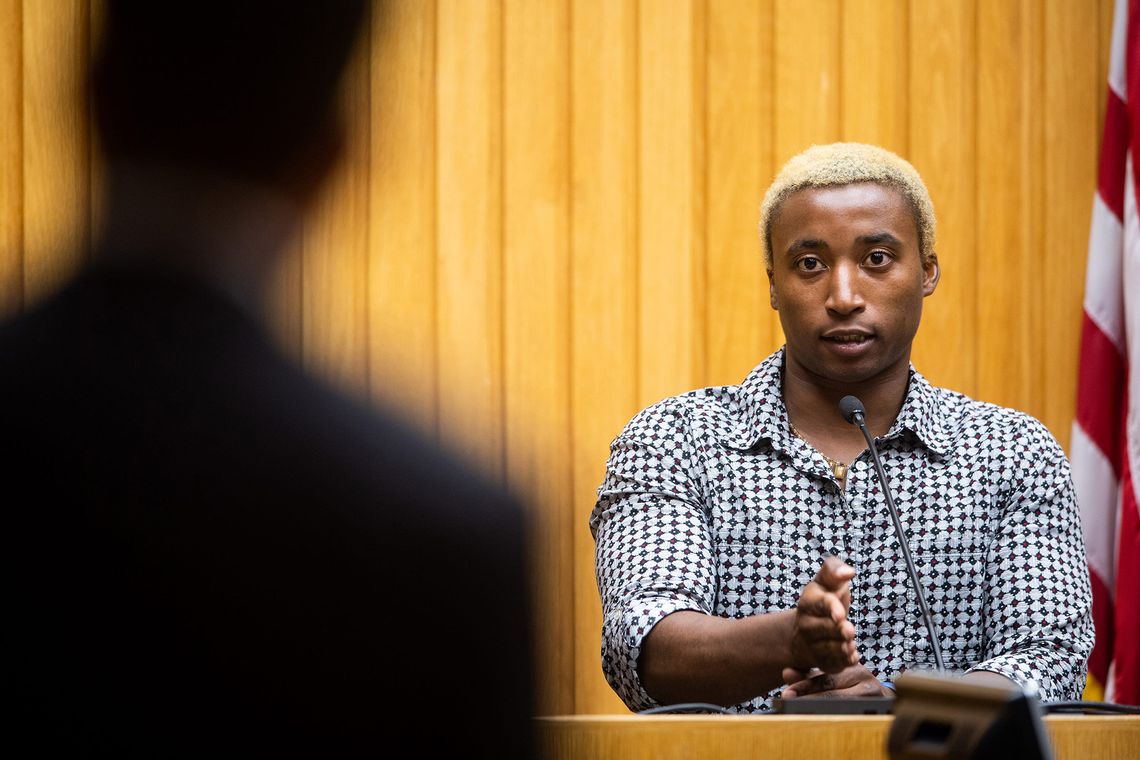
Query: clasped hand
column 825, row 661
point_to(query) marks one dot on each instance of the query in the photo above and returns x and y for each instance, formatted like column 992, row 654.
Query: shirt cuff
column 642, row 615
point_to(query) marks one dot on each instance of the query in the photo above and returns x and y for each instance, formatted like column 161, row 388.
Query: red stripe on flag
column 1113, row 149
column 1126, row 649
column 1132, row 69
column 1100, row 391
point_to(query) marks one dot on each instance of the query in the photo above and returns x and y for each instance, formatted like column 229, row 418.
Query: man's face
column 848, row 280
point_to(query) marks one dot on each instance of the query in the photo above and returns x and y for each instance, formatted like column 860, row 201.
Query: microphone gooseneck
column 852, row 410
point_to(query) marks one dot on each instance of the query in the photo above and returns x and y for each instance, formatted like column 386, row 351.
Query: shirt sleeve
column 653, row 540
column 1038, row 625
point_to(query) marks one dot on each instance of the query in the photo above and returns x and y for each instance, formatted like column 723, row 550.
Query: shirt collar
column 761, row 413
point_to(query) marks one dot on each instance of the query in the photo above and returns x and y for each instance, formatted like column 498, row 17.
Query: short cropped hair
column 840, row 164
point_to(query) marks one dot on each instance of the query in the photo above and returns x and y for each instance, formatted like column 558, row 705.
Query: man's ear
column 931, row 272
column 772, row 291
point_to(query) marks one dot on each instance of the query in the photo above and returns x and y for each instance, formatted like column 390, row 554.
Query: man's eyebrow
column 805, row 244
column 876, row 238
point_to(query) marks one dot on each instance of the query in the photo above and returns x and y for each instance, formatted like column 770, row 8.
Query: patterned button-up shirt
column 710, row 503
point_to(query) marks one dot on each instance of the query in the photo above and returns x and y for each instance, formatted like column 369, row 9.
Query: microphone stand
column 853, row 412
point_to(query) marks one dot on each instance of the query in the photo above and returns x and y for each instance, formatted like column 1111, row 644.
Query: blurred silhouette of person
column 209, row 551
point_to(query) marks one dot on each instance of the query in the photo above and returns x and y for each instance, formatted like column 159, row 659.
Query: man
column 209, row 552
column 744, row 548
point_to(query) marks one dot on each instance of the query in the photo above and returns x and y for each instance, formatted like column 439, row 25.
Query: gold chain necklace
column 838, row 469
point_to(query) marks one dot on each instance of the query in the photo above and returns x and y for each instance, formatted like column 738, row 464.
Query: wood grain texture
column 943, row 148
column 402, row 285
column 334, row 328
column 1008, row 153
column 670, row 196
column 808, row 41
column 11, row 157
column 469, row 231
column 56, row 149
column 740, row 322
column 875, row 83
column 600, row 737
column 1072, row 84
column 536, row 317
column 603, row 287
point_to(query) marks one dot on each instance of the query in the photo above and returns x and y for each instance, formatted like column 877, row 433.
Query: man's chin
column 826, row 368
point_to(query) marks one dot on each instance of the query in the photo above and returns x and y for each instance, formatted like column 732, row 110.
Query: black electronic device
column 834, row 705
column 942, row 716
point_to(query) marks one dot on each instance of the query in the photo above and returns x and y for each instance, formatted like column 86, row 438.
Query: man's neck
column 215, row 228
column 813, row 406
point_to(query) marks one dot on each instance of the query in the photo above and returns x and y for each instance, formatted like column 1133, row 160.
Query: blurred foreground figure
column 208, row 551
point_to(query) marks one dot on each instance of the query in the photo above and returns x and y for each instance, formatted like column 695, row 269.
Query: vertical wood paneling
column 11, row 157
column 334, row 326
column 942, row 148
column 603, row 263
column 402, row 276
column 808, row 42
column 57, row 216
column 1104, row 51
column 671, row 190
column 873, row 91
column 1007, row 148
column 469, row 213
column 739, row 49
column 536, row 185
column 285, row 297
column 96, row 169
column 1072, row 86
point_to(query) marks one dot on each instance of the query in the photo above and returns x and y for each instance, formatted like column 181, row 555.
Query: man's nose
column 844, row 295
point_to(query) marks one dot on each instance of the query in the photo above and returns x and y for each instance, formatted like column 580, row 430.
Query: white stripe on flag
column 1103, row 294
column 1097, row 488
column 1117, row 66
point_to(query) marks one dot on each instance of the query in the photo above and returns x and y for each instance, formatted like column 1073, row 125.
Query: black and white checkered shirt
column 710, row 503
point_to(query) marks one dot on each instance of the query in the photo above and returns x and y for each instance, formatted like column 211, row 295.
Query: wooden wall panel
column 874, row 86
column 546, row 216
column 943, row 149
column 1008, row 148
column 1073, row 82
column 56, row 171
column 740, row 323
column 603, row 291
column 808, row 74
column 402, row 230
column 11, row 157
column 469, row 230
column 671, row 198
column 334, row 325
column 536, row 310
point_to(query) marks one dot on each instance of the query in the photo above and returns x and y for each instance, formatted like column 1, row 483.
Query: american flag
column 1105, row 449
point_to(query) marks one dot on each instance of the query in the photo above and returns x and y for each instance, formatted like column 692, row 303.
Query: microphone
column 852, row 410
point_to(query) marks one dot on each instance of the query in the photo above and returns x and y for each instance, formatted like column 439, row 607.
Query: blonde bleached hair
column 840, row 164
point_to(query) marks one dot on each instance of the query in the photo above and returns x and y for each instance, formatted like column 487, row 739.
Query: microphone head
column 849, row 406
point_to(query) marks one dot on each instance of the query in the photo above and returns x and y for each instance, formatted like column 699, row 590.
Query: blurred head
column 249, row 89
column 841, row 164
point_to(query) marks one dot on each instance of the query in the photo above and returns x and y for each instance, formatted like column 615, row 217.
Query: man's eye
column 809, row 264
column 878, row 258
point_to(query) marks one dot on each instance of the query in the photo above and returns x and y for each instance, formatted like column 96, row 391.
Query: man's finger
column 819, row 602
column 834, row 573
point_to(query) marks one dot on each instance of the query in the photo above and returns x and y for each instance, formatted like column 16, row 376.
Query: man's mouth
column 847, row 337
